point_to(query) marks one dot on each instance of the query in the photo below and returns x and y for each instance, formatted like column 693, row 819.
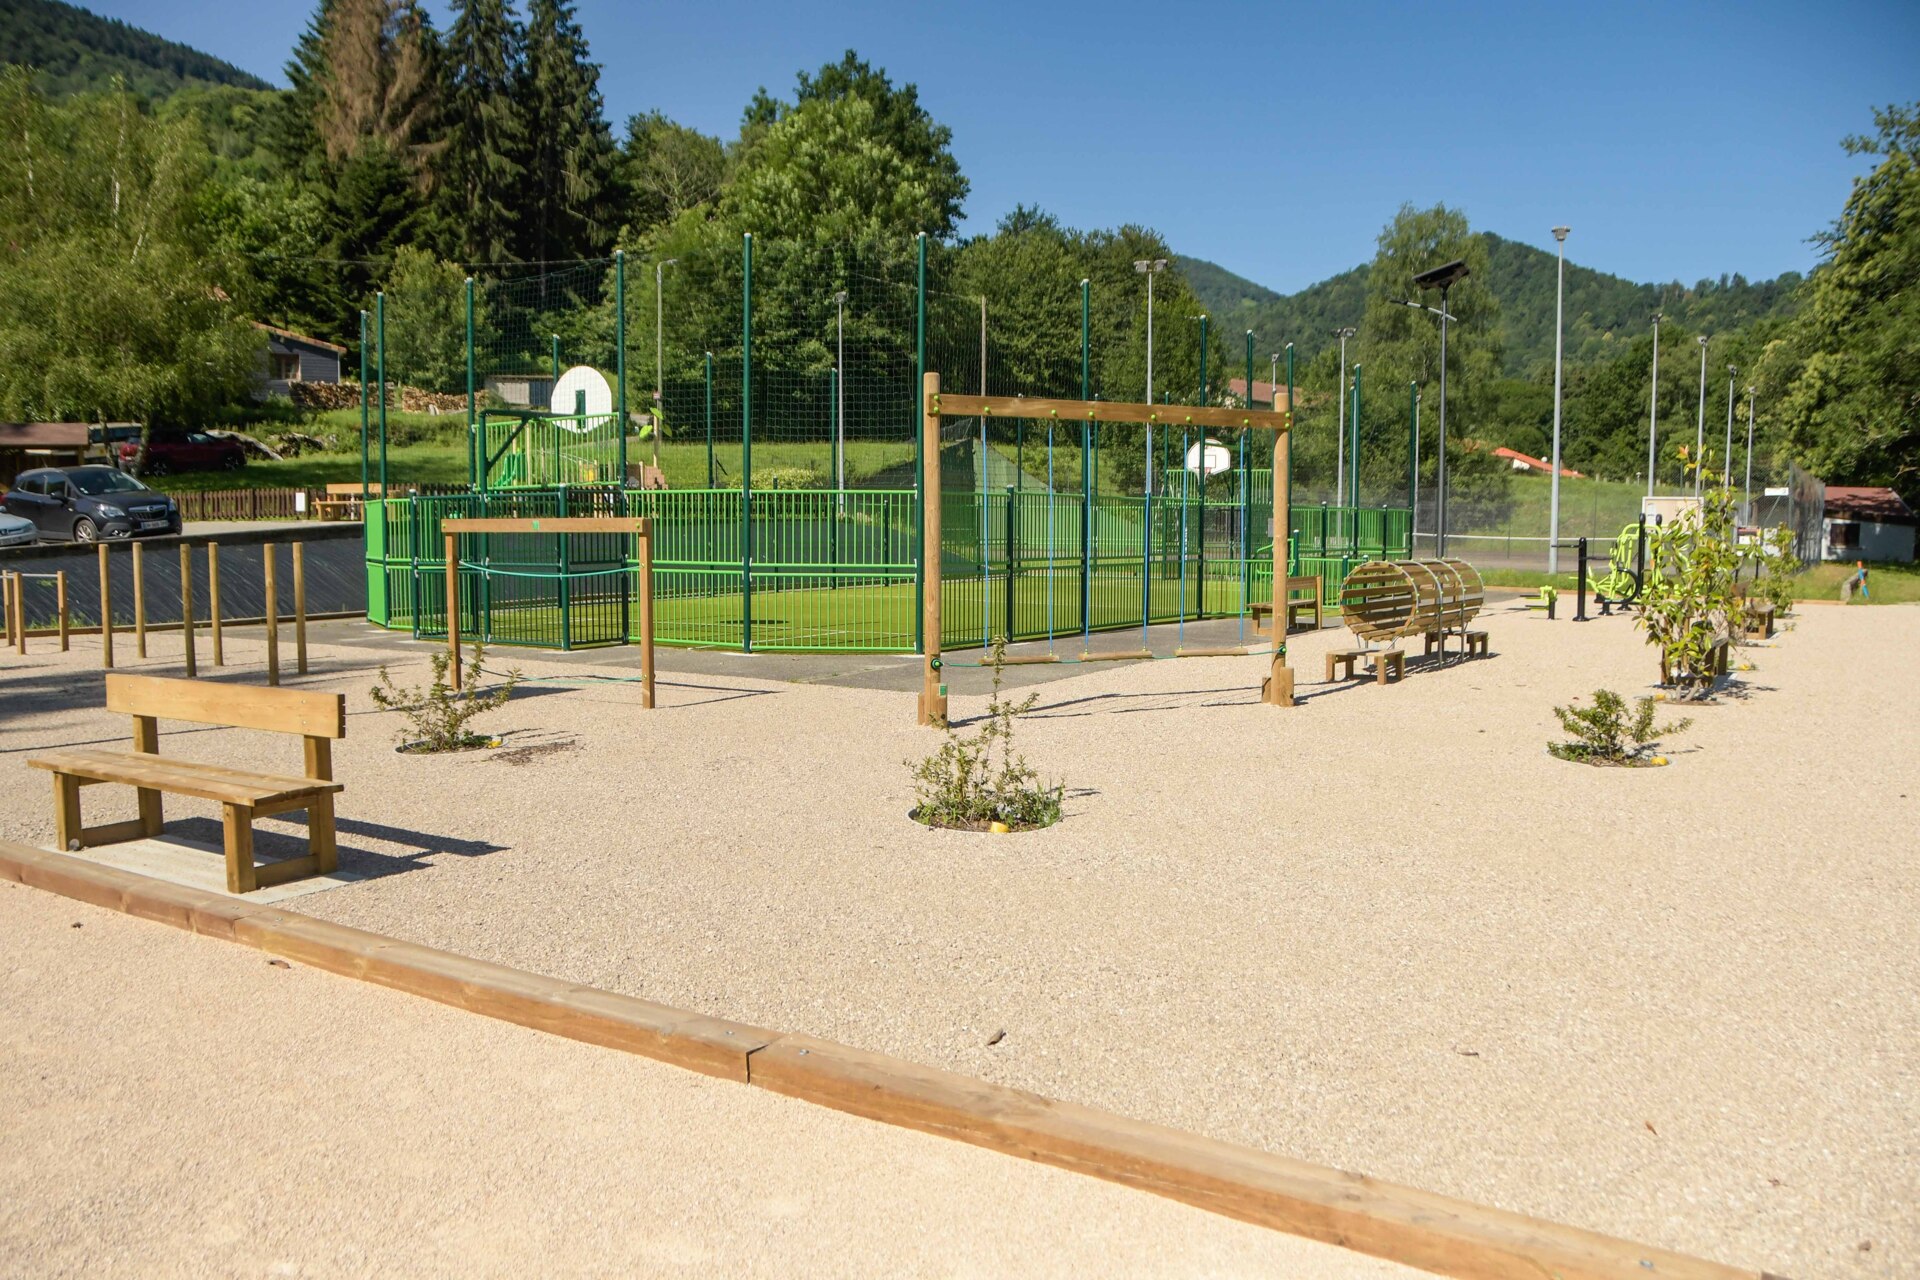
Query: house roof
column 43, row 435
column 291, row 336
column 1538, row 464
column 1262, row 389
column 1868, row 502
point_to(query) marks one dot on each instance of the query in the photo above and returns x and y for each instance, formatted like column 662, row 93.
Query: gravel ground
column 418, row 1140
column 1384, row 931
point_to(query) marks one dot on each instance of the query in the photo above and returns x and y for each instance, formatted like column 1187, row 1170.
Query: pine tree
column 484, row 163
column 570, row 148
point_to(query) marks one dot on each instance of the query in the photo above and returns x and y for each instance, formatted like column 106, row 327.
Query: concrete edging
column 1401, row 1224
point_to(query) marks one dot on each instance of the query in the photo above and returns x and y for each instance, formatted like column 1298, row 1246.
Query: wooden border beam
column 943, row 405
column 545, row 524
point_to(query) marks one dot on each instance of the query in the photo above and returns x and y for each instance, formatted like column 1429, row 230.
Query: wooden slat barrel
column 1387, row 599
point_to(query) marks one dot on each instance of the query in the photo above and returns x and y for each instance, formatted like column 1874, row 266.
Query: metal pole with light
column 840, row 395
column 1340, row 419
column 659, row 347
column 1726, row 459
column 1559, row 329
column 1353, row 450
column 1150, row 267
column 1700, row 425
column 1749, row 455
column 1653, row 408
column 1273, row 378
column 1443, row 278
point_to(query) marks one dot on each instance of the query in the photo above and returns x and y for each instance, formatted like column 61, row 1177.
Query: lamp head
column 1442, row 277
column 1560, row 234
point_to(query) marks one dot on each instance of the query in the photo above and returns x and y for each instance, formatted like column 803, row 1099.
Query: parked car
column 89, row 503
column 17, row 531
column 196, row 451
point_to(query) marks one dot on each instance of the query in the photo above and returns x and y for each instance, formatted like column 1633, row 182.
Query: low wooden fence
column 266, row 504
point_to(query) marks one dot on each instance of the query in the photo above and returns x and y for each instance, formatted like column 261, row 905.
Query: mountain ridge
column 73, row 51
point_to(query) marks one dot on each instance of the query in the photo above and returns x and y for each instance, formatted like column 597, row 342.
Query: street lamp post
column 1653, row 406
column 659, row 349
column 1443, row 278
column 1559, row 328
column 1726, row 459
column 1150, row 267
column 840, row 394
column 1273, row 378
column 1749, row 487
column 1340, row 422
column 1700, row 425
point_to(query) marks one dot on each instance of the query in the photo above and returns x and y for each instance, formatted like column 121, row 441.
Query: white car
column 17, row 531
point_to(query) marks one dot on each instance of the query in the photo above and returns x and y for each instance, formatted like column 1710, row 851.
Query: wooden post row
column 139, row 600
column 186, row 604
column 273, row 615
column 106, row 612
column 299, row 608
column 213, row 601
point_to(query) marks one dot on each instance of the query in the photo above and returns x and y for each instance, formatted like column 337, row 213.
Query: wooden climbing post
column 299, row 608
column 453, row 607
column 139, row 600
column 273, row 615
column 933, row 694
column 186, row 604
column 106, row 612
column 213, row 601
column 644, row 547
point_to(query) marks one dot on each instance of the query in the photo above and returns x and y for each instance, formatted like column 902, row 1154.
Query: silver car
column 17, row 531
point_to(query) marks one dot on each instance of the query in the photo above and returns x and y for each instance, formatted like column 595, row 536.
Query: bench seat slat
column 183, row 777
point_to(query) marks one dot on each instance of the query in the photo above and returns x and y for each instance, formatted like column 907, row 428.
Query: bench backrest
column 316, row 717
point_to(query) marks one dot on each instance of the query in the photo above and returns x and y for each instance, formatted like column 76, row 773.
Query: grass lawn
column 1889, row 583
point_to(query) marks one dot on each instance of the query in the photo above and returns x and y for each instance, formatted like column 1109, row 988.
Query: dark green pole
column 1283, row 520
column 620, row 365
column 556, row 365
column 363, row 413
column 1086, row 466
column 746, row 443
column 380, row 338
column 472, row 453
column 1246, row 493
column 923, row 483
column 710, row 480
column 1413, row 454
column 1353, row 453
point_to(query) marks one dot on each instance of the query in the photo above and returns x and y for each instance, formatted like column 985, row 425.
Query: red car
column 196, row 451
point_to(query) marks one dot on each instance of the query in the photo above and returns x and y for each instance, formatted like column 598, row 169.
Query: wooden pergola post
column 213, row 601
column 1278, row 689
column 453, row 607
column 643, row 547
column 106, row 612
column 933, row 694
column 186, row 604
column 273, row 615
column 300, row 608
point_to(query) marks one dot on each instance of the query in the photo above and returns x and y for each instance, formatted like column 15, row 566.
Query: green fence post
column 620, row 366
column 363, row 414
column 746, row 443
column 470, row 449
column 1413, row 450
column 1246, row 500
column 1353, row 454
column 1086, row 464
column 556, row 367
column 1012, row 541
column 921, row 480
column 710, row 481
column 1283, row 521
column 380, row 326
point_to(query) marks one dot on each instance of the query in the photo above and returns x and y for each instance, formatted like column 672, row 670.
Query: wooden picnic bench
column 342, row 501
column 242, row 794
column 1383, row 661
column 1262, row 612
column 1756, row 620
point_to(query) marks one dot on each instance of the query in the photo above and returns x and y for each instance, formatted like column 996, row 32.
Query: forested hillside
column 73, row 51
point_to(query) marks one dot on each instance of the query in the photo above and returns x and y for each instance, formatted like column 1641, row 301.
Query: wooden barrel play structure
column 1387, row 599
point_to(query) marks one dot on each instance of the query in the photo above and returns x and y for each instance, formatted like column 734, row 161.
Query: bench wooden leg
column 1331, row 659
column 1380, row 665
column 237, row 819
column 66, row 811
column 320, row 836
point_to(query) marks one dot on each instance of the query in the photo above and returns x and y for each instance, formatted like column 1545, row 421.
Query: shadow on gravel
column 284, row 835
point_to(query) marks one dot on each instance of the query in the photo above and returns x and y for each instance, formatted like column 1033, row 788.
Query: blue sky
column 1678, row 141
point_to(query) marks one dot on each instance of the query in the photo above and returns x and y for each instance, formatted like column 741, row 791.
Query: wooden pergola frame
column 1278, row 689
column 641, row 529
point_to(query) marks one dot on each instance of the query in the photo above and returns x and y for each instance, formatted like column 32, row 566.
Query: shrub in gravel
column 1604, row 733
column 438, row 717
column 973, row 782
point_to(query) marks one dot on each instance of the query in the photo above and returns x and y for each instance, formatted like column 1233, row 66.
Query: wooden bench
column 1471, row 642
column 1384, row 661
column 1757, row 620
column 1262, row 612
column 342, row 501
column 242, row 794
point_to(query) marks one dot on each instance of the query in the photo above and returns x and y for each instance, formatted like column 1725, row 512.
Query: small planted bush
column 438, row 717
column 973, row 782
column 1607, row 734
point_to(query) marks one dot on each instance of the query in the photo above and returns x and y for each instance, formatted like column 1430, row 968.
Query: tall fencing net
column 771, row 428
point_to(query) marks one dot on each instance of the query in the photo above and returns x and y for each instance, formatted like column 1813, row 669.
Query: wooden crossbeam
column 545, row 524
column 947, row 405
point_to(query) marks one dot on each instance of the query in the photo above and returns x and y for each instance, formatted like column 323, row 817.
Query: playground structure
column 1051, row 525
column 1389, row 600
